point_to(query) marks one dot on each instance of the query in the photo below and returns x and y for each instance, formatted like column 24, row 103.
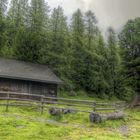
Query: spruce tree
column 18, row 12
column 58, row 39
column 32, row 38
column 90, row 43
column 3, row 8
column 78, row 33
column 112, row 59
column 130, row 48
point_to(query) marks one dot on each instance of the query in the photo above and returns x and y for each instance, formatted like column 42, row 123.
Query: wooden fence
column 42, row 102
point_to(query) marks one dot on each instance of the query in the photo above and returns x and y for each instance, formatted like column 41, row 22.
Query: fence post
column 7, row 103
column 42, row 105
column 94, row 106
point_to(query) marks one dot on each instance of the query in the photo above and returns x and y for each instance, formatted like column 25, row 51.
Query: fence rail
column 43, row 102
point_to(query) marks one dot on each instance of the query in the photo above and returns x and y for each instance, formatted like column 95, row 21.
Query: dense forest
column 75, row 50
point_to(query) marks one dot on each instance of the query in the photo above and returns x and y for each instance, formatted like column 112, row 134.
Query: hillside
column 28, row 124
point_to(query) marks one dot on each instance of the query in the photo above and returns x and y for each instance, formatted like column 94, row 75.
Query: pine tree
column 113, row 59
column 91, row 28
column 57, row 53
column 101, row 68
column 18, row 12
column 90, row 43
column 130, row 47
column 78, row 32
column 3, row 8
column 33, row 37
column 59, row 38
column 38, row 15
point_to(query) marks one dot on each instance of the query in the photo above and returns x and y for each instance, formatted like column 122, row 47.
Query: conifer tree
column 90, row 43
column 18, row 12
column 34, row 35
column 112, row 60
column 58, row 38
column 3, row 8
column 38, row 15
column 78, row 33
column 130, row 47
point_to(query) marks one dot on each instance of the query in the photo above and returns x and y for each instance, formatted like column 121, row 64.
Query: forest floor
column 27, row 124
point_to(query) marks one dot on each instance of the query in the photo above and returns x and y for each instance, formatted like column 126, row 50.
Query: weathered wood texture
column 30, row 87
column 49, row 102
column 98, row 118
column 136, row 100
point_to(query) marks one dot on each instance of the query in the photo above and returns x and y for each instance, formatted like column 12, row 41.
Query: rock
column 55, row 111
column 94, row 117
column 69, row 111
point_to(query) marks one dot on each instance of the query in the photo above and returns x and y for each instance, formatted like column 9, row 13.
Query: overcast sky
column 113, row 13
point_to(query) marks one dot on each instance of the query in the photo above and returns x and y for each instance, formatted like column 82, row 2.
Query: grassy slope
column 28, row 124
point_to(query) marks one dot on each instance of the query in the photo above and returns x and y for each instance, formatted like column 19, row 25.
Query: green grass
column 29, row 124
column 81, row 95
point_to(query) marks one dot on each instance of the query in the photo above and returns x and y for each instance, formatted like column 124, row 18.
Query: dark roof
column 15, row 69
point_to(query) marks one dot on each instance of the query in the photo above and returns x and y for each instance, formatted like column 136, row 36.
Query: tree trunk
column 98, row 118
column 136, row 100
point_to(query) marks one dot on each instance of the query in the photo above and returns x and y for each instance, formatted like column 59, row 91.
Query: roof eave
column 32, row 80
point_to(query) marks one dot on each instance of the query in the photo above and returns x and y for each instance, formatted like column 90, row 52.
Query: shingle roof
column 15, row 69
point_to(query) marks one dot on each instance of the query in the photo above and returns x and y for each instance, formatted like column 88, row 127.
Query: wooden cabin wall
column 14, row 85
column 28, row 87
column 43, row 89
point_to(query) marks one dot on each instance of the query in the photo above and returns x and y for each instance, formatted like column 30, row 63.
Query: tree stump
column 68, row 111
column 58, row 111
column 55, row 111
column 136, row 100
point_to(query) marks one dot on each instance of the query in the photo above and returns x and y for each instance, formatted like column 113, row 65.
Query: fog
column 113, row 13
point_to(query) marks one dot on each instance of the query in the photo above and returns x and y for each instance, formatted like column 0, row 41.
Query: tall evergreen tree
column 101, row 68
column 130, row 45
column 90, row 27
column 112, row 59
column 57, row 53
column 3, row 8
column 58, row 38
column 90, row 44
column 38, row 15
column 78, row 33
column 16, row 19
column 18, row 12
column 33, row 37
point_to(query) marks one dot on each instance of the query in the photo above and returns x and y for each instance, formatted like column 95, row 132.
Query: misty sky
column 113, row 13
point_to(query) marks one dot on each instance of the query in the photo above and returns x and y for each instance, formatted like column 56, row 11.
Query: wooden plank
column 19, row 105
column 57, row 101
column 18, row 99
column 67, row 104
column 74, row 100
column 7, row 104
column 105, row 109
column 42, row 106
